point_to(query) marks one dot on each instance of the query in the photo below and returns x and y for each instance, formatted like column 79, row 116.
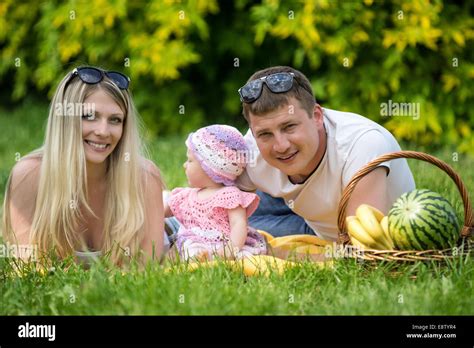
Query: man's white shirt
column 352, row 142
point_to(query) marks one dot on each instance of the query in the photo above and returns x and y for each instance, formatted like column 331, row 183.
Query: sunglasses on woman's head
column 277, row 83
column 92, row 76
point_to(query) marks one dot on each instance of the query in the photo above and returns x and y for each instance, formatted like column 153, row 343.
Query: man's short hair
column 269, row 101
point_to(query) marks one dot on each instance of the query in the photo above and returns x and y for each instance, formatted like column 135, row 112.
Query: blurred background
column 186, row 60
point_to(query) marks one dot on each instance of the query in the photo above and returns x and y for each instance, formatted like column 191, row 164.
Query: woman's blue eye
column 117, row 120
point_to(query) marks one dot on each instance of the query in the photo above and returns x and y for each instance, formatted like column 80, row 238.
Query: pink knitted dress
column 205, row 223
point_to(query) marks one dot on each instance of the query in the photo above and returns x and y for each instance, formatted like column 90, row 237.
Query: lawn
column 347, row 288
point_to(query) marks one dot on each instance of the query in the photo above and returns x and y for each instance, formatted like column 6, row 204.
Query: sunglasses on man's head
column 92, row 76
column 277, row 83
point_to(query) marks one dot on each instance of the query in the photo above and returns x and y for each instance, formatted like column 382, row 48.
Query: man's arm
column 372, row 190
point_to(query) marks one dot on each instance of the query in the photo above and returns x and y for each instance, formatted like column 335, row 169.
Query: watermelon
column 422, row 220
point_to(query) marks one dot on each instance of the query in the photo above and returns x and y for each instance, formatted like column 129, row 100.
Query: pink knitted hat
column 221, row 150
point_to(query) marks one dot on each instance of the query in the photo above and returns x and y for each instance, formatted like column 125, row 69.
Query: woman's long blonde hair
column 62, row 192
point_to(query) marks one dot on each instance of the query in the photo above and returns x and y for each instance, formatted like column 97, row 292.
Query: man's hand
column 372, row 190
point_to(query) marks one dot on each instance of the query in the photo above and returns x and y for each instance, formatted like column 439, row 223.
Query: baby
column 213, row 212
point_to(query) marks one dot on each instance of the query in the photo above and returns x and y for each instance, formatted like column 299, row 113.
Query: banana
column 370, row 218
column 356, row 230
column 310, row 239
column 383, row 221
column 263, row 264
column 267, row 235
column 378, row 214
column 310, row 249
column 306, row 238
column 384, row 225
column 249, row 268
column 288, row 245
column 356, row 243
column 253, row 265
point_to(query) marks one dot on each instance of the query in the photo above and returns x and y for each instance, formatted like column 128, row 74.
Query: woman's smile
column 97, row 146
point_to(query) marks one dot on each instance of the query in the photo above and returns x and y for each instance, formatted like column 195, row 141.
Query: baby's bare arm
column 238, row 227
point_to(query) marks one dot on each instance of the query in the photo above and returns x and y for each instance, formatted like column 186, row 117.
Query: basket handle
column 468, row 227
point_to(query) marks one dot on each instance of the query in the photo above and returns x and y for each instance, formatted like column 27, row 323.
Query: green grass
column 349, row 288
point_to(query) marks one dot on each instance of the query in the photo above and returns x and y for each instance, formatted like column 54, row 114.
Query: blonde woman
column 88, row 190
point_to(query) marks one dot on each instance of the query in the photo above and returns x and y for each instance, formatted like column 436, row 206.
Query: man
column 305, row 156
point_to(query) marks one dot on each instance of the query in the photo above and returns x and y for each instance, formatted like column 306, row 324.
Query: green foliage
column 366, row 53
column 188, row 58
column 149, row 41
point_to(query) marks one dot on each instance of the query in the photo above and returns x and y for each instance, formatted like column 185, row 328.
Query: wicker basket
column 465, row 243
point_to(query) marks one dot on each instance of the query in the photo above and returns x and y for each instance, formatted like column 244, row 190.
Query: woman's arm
column 22, row 199
column 153, row 243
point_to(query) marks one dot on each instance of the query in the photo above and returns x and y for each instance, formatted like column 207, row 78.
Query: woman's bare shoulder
column 151, row 169
column 26, row 172
column 22, row 193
